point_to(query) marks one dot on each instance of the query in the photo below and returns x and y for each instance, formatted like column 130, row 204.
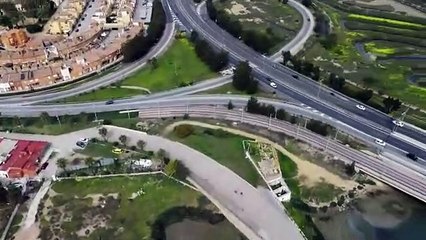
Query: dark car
column 412, row 156
column 109, row 102
column 295, row 76
column 44, row 165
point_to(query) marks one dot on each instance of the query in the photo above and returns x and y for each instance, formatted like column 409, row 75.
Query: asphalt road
column 394, row 174
column 302, row 89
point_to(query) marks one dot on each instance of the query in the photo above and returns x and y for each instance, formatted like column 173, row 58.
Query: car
column 295, row 76
column 109, row 102
column 412, row 156
column 272, row 84
column 44, row 165
column 360, row 107
column 84, row 140
column 81, row 144
column 117, row 151
column 398, row 123
column 380, row 142
column 332, row 93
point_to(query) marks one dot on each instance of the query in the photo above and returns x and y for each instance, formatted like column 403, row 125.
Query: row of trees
column 215, row 61
column 259, row 41
column 303, row 67
column 253, row 106
column 243, row 80
column 140, row 45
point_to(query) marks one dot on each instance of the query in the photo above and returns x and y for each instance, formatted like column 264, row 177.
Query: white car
column 84, row 140
column 272, row 84
column 398, row 123
column 380, row 142
column 360, row 107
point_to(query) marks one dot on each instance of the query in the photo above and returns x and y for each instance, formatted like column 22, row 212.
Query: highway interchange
column 310, row 99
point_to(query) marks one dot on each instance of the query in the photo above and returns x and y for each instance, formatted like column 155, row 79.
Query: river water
column 390, row 215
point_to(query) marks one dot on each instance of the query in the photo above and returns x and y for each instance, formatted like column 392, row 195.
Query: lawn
column 322, row 192
column 225, row 148
column 179, row 66
column 288, row 167
column 125, row 219
column 98, row 149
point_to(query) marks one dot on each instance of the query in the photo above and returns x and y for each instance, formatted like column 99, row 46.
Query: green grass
column 288, row 167
column 229, row 89
column 225, row 148
column 134, row 216
column 179, row 66
column 322, row 192
column 384, row 20
column 98, row 149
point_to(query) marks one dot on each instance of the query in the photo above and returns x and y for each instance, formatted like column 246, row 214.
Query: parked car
column 412, row 156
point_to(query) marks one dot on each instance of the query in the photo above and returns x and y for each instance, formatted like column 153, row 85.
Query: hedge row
column 353, row 25
column 374, row 13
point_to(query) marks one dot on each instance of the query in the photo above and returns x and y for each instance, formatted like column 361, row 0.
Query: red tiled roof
column 23, row 159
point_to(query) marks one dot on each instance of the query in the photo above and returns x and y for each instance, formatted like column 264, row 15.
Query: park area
column 178, row 67
column 125, row 208
column 279, row 22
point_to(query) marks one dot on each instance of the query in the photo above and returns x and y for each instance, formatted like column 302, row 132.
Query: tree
column 282, row 114
column 242, row 78
column 182, row 172
column 350, row 169
column 103, row 132
column 141, row 144
column 365, row 95
column 230, row 105
column 252, row 105
column 123, row 139
column 252, row 87
column 154, row 62
column 90, row 163
column 62, row 163
column 194, row 36
column 286, row 57
column 391, row 104
column 337, row 82
column 307, row 3
column 45, row 118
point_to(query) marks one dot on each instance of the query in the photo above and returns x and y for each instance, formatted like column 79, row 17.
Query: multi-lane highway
column 302, row 89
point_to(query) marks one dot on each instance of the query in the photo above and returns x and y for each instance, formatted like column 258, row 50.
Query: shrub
column 183, row 131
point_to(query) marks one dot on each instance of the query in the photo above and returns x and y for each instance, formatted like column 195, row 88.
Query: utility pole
column 326, row 145
column 96, row 117
column 319, row 88
column 297, row 130
column 335, row 136
column 270, row 119
column 215, row 107
column 59, row 121
column 242, row 114
column 306, row 123
column 187, row 108
column 128, row 114
column 158, row 110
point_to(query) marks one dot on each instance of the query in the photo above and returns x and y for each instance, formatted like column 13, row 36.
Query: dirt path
column 311, row 173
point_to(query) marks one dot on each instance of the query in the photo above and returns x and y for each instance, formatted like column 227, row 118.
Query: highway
column 387, row 171
column 302, row 89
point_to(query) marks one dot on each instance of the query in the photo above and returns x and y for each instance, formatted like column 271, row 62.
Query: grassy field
column 120, row 217
column 225, row 148
column 282, row 21
column 179, row 66
column 98, row 149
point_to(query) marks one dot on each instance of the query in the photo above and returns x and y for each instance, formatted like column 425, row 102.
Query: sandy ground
column 238, row 9
column 309, row 172
column 397, row 6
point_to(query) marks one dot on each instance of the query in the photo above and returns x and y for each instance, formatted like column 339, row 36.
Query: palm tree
column 62, row 163
column 123, row 139
column 141, row 144
column 103, row 132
